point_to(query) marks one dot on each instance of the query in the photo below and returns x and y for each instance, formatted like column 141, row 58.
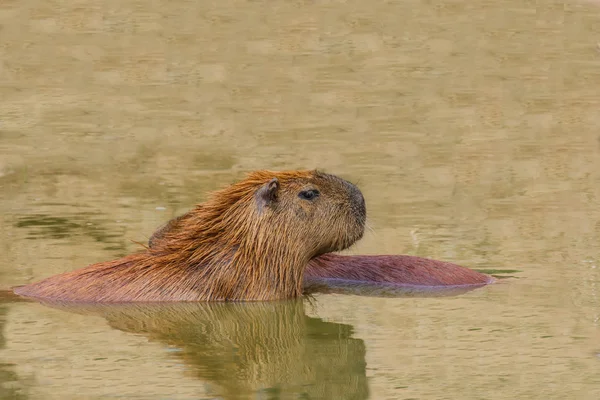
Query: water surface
column 471, row 127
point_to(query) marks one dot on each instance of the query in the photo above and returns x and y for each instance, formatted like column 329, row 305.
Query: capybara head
column 305, row 211
column 316, row 212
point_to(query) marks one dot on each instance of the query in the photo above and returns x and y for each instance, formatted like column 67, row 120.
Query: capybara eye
column 309, row 194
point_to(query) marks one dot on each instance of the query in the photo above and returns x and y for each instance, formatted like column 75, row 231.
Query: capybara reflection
column 249, row 241
column 249, row 350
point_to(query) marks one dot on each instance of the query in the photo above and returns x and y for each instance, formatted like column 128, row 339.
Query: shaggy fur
column 250, row 241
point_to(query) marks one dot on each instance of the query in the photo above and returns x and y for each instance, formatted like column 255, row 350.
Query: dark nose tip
column 362, row 209
column 361, row 199
column 358, row 202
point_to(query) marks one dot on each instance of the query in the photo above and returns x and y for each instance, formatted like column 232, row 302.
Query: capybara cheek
column 301, row 213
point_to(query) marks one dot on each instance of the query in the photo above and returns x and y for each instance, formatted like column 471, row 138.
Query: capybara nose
column 361, row 201
column 361, row 208
column 358, row 202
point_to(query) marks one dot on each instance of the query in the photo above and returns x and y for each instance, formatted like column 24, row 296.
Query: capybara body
column 249, row 241
column 393, row 269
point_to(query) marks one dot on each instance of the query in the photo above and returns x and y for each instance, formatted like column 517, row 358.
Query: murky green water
column 472, row 128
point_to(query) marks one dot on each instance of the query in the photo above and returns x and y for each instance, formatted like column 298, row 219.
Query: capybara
column 249, row 241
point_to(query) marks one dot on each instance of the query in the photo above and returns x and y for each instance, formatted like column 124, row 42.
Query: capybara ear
column 267, row 194
column 165, row 228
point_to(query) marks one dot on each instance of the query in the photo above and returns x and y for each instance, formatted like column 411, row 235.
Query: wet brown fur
column 393, row 269
column 249, row 241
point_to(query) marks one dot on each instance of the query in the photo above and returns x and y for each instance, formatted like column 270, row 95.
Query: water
column 471, row 127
